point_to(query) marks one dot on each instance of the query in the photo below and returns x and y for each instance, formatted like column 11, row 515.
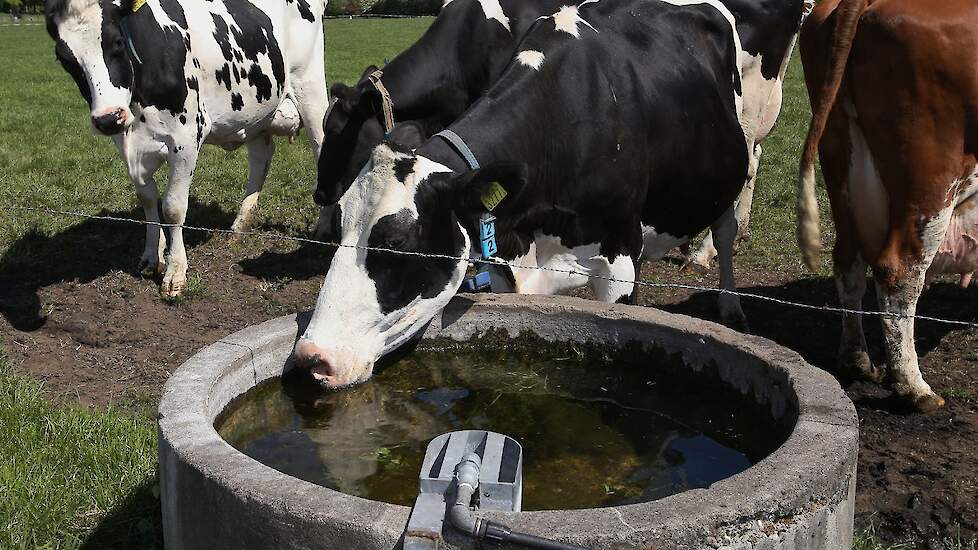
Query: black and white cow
column 430, row 84
column 163, row 77
column 616, row 132
column 768, row 31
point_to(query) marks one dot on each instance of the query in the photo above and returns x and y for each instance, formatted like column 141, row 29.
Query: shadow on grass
column 307, row 261
column 82, row 253
column 815, row 334
column 135, row 523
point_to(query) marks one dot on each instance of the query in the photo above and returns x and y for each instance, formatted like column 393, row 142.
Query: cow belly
column 958, row 253
column 868, row 199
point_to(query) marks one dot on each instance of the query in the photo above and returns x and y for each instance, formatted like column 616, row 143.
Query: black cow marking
column 767, row 29
column 160, row 78
column 400, row 279
column 403, row 168
column 236, row 101
column 114, row 51
column 67, row 59
column 183, row 119
column 174, row 11
column 222, row 37
column 260, row 82
column 255, row 37
column 304, row 11
column 224, row 76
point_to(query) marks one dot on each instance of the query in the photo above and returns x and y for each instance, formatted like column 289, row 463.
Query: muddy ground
column 76, row 316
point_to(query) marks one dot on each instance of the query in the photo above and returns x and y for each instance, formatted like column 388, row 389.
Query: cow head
column 373, row 301
column 91, row 48
column 352, row 129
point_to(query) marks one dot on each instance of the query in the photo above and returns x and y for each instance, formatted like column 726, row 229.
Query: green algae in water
column 591, row 436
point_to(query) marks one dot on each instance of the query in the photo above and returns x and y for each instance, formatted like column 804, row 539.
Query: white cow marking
column 493, row 10
column 566, row 20
column 531, row 58
column 578, row 262
column 655, row 245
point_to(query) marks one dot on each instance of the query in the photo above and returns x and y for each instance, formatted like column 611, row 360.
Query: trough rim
column 776, row 488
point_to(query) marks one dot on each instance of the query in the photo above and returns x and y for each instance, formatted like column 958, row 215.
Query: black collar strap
column 459, row 145
column 385, row 99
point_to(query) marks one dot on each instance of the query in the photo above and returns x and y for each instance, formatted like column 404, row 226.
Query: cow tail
column 846, row 20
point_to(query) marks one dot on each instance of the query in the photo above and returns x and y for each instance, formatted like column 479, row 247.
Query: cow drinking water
column 615, row 134
column 163, row 77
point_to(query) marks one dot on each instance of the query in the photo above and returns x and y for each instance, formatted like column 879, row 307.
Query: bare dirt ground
column 79, row 319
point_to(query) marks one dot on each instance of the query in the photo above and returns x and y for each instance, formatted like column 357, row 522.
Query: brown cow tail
column 846, row 20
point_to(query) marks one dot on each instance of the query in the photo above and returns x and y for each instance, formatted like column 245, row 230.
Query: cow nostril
column 310, row 357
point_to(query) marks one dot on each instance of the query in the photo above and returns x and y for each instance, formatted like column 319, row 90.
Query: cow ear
column 347, row 98
column 408, row 135
column 494, row 188
column 368, row 71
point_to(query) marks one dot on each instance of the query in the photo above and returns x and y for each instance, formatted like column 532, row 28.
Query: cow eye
column 396, row 242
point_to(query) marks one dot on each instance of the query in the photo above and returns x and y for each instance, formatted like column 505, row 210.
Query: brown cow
column 894, row 90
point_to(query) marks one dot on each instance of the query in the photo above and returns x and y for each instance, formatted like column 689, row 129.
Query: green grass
column 73, row 478
column 868, row 540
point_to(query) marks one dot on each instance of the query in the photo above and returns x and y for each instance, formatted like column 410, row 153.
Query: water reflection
column 591, row 437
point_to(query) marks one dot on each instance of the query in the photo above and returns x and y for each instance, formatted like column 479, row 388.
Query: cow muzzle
column 112, row 122
column 330, row 368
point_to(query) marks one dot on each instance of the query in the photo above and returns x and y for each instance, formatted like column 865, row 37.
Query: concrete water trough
column 799, row 496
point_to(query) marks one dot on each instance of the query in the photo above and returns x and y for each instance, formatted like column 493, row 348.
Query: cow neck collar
column 460, row 147
column 385, row 99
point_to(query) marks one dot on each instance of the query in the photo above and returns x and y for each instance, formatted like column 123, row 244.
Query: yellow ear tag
column 137, row 4
column 493, row 196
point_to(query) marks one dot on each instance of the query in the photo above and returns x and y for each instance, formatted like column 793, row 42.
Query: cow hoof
column 858, row 365
column 150, row 268
column 736, row 322
column 926, row 403
column 692, row 265
column 172, row 287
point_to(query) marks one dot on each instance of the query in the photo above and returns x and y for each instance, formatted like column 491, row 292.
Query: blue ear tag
column 487, row 235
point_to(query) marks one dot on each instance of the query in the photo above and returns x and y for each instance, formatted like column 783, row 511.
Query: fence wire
column 478, row 261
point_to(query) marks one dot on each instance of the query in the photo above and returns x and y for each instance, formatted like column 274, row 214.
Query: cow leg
column 706, row 251
column 260, row 153
column 622, row 269
column 633, row 298
column 725, row 230
column 175, row 211
column 312, row 105
column 900, row 272
column 141, row 171
column 850, row 283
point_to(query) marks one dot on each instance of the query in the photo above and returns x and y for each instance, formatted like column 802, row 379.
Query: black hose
column 531, row 541
column 501, row 534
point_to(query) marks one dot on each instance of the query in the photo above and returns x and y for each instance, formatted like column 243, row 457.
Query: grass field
column 73, row 478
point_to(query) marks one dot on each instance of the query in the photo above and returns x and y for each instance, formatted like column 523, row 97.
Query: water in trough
column 593, row 435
